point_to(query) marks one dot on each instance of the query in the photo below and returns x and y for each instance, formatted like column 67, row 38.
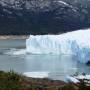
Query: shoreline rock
column 4, row 37
column 16, row 81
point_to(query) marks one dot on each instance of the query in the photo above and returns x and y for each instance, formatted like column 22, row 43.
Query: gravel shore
column 3, row 37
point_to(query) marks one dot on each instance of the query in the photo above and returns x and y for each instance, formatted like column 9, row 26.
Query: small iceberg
column 71, row 79
column 36, row 74
column 83, row 77
column 76, row 79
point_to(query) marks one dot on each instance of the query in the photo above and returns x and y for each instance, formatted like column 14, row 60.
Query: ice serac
column 74, row 43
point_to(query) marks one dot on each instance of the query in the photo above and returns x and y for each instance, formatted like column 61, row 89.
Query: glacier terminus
column 72, row 43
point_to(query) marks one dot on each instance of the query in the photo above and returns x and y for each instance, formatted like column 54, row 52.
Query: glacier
column 72, row 43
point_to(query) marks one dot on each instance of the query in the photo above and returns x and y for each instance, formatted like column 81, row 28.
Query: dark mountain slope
column 43, row 16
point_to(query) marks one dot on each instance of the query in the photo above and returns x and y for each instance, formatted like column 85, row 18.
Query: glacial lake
column 58, row 66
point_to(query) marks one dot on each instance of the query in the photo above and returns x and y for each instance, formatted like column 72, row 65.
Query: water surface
column 58, row 66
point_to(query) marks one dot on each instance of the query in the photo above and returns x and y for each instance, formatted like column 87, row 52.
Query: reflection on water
column 51, row 63
column 57, row 66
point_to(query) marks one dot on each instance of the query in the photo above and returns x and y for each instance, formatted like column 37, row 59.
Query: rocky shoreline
column 13, row 81
column 4, row 37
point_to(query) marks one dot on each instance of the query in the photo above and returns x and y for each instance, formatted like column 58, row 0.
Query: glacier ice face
column 75, row 43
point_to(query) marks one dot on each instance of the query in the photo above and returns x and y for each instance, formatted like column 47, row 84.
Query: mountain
column 43, row 16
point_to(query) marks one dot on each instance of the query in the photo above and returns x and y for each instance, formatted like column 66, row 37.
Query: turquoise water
column 58, row 66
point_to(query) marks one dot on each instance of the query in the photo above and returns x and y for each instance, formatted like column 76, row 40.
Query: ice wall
column 76, row 43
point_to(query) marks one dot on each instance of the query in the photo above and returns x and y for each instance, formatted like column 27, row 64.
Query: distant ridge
column 19, row 17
